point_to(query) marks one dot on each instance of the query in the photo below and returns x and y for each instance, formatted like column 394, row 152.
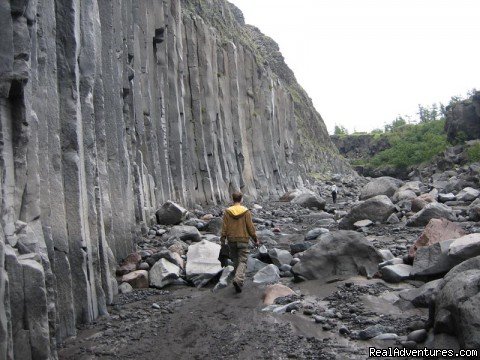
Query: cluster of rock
column 387, row 200
column 444, row 258
column 173, row 252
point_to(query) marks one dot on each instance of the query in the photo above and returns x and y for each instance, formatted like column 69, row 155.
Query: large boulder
column 466, row 247
column 310, row 201
column 214, row 226
column 254, row 265
column 436, row 230
column 468, row 194
column 344, row 253
column 380, row 186
column 396, row 273
column 446, row 197
column 163, row 273
column 129, row 264
column 267, row 275
column 457, row 308
column 137, row 279
column 202, row 262
column 433, row 260
column 168, row 255
column 474, row 211
column 280, row 257
column 290, row 195
column 171, row 214
column 470, row 264
column 421, row 201
column 377, row 208
column 401, row 195
column 185, row 233
column 431, row 211
column 423, row 295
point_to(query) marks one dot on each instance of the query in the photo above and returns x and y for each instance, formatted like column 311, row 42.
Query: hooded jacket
column 238, row 225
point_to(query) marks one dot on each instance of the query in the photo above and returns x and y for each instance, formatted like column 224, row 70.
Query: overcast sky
column 363, row 62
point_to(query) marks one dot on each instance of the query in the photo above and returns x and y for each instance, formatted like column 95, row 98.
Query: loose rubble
column 395, row 278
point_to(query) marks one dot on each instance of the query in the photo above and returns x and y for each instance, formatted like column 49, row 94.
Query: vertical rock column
column 69, row 37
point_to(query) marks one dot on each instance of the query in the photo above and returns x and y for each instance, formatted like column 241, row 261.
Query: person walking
column 237, row 229
column 334, row 193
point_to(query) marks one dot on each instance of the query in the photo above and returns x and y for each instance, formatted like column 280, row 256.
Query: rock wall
column 355, row 147
column 463, row 119
column 110, row 108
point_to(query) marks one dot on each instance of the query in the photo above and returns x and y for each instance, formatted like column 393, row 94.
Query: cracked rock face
column 107, row 111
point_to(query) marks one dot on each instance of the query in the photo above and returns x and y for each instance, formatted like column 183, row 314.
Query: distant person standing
column 237, row 229
column 334, row 193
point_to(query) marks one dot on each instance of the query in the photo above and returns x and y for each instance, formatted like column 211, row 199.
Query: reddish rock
column 437, row 230
column 129, row 264
column 276, row 230
column 137, row 279
column 421, row 201
column 275, row 291
column 207, row 217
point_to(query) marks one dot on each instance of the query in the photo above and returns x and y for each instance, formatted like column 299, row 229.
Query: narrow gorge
column 107, row 110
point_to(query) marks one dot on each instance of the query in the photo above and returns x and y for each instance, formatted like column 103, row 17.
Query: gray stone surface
column 446, row 197
column 315, row 233
column 363, row 223
column 465, row 247
column 185, row 233
column 433, row 260
column 422, row 296
column 460, row 297
column 254, row 265
column 431, row 211
column 396, row 273
column 280, row 257
column 343, row 253
column 468, row 194
column 267, row 275
column 125, row 288
column 170, row 213
column 377, row 208
column 380, row 186
column 202, row 262
column 163, row 273
column 310, row 201
column 372, row 331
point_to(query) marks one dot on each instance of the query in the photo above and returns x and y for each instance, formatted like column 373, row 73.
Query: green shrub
column 474, row 153
column 413, row 144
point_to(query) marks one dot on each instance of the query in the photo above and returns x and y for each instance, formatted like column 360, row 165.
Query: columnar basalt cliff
column 110, row 108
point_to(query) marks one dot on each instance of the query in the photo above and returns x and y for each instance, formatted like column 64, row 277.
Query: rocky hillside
column 107, row 110
column 360, row 146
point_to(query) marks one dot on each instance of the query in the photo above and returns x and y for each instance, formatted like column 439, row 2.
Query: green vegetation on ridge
column 412, row 144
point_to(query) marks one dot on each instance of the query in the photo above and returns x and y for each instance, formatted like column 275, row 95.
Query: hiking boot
column 238, row 287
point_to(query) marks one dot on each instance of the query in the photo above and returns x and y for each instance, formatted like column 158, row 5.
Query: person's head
column 237, row 196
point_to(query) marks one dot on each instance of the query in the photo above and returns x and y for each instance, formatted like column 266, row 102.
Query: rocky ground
column 338, row 315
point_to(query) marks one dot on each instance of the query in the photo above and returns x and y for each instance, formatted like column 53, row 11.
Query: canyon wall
column 110, row 108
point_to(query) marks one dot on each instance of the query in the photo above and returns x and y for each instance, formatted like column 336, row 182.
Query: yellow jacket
column 237, row 224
